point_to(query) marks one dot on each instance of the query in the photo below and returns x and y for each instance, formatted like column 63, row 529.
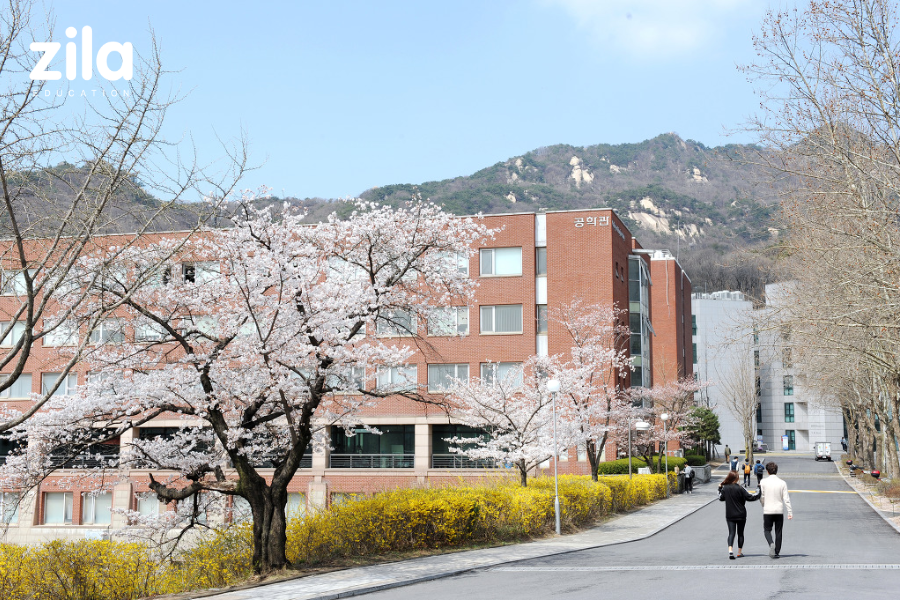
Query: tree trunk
column 593, row 458
column 269, row 527
column 523, row 473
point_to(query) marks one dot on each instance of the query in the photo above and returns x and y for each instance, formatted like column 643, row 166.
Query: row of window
column 493, row 262
column 403, row 378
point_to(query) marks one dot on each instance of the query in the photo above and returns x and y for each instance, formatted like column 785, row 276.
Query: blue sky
column 338, row 97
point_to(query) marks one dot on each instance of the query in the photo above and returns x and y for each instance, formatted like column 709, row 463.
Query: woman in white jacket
column 775, row 500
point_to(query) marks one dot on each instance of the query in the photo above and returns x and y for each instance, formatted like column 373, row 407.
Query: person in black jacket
column 734, row 496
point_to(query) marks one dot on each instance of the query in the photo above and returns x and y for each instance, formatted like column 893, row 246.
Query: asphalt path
column 836, row 546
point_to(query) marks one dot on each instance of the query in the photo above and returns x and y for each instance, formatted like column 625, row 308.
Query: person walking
column 759, row 469
column 748, row 471
column 734, row 463
column 688, row 479
column 727, row 454
column 735, row 497
column 775, row 500
column 844, row 443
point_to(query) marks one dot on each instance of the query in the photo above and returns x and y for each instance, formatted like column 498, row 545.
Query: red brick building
column 536, row 262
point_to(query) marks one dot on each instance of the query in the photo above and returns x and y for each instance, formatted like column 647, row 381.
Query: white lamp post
column 639, row 426
column 665, row 417
column 553, row 388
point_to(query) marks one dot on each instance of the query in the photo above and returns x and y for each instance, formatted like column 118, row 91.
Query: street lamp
column 665, row 417
column 639, row 426
column 553, row 388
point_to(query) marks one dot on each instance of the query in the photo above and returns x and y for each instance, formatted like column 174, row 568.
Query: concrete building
column 789, row 408
column 534, row 263
column 717, row 316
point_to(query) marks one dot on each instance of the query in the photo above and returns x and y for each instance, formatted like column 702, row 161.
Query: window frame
column 456, row 310
column 67, row 389
column 493, row 262
column 391, row 330
column 89, row 502
column 412, row 384
column 456, row 369
column 789, row 412
column 493, row 311
column 68, row 500
column 493, row 375
column 7, row 394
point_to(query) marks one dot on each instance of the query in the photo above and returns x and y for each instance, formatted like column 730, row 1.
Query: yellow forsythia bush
column 631, row 493
column 395, row 521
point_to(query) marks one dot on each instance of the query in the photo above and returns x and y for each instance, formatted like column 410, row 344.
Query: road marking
column 819, row 492
column 780, row 566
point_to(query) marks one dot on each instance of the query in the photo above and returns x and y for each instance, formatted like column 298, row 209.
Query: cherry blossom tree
column 515, row 411
column 592, row 379
column 258, row 338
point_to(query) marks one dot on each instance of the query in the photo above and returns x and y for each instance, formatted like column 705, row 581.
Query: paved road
column 835, row 547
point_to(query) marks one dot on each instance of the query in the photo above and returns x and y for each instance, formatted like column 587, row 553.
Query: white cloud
column 659, row 28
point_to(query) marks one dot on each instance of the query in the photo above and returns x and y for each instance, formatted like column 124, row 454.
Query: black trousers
column 688, row 484
column 738, row 527
column 747, row 479
column 758, row 480
column 778, row 522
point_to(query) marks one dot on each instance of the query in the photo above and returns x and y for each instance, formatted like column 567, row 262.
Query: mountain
column 713, row 207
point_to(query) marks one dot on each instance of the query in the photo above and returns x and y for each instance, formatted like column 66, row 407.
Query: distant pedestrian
column 844, row 443
column 759, row 469
column 688, row 479
column 727, row 454
column 748, row 471
column 734, row 463
column 775, row 500
column 734, row 497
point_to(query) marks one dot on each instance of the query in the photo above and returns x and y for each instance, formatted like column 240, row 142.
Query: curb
column 877, row 510
column 462, row 570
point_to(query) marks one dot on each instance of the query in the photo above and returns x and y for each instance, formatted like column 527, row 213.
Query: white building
column 788, row 407
column 717, row 317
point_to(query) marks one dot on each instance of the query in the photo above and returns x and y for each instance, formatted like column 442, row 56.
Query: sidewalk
column 360, row 580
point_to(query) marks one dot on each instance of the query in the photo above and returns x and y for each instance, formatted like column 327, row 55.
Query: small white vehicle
column 823, row 451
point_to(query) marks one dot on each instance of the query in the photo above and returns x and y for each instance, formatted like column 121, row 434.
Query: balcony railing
column 457, row 461
column 86, row 460
column 372, row 461
column 267, row 462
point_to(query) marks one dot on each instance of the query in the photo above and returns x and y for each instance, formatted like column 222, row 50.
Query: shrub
column 630, row 493
column 619, row 467
column 674, row 461
column 695, row 460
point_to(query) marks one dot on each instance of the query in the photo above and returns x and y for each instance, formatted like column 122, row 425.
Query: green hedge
column 695, row 460
column 620, row 467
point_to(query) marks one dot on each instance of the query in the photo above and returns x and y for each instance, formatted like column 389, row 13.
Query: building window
column 58, row 508
column 9, row 507
column 347, row 382
column 501, row 261
column 393, row 448
column 397, row 379
column 344, row 271
column 199, row 272
column 542, row 318
column 14, row 335
column 62, row 335
column 792, row 439
column 694, row 346
column 755, row 336
column 455, row 260
column 759, row 413
column 505, row 371
column 788, row 412
column 501, row 319
column 66, row 387
column 296, row 505
column 149, row 332
column 693, row 324
column 785, row 333
column 147, row 504
column 440, row 377
column 20, row 388
column 540, row 261
column 96, row 509
column 758, row 386
column 13, row 284
column 108, row 332
column 450, row 320
column 786, row 358
column 756, row 358
column 396, row 323
column 788, row 385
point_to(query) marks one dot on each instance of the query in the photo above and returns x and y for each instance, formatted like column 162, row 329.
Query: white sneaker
column 771, row 550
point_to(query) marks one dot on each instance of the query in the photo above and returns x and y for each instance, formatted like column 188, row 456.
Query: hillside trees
column 257, row 337
column 113, row 153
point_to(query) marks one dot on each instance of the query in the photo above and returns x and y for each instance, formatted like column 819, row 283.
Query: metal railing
column 86, row 460
column 266, row 462
column 372, row 461
column 457, row 461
